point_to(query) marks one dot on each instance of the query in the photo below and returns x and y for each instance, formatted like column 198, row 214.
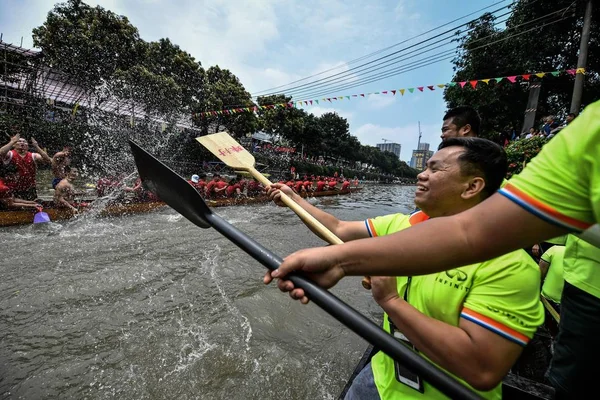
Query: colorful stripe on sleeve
column 542, row 210
column 370, row 228
column 494, row 326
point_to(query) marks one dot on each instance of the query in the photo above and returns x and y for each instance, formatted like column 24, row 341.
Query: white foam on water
column 212, row 262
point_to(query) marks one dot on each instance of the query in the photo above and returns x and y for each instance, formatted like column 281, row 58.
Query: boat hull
column 24, row 217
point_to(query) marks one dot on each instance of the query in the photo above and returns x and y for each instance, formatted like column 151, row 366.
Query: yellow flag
column 580, row 71
column 402, row 91
column 486, row 81
column 540, row 74
column 441, row 86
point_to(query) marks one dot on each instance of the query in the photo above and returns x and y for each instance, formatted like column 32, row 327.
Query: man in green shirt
column 472, row 321
column 556, row 193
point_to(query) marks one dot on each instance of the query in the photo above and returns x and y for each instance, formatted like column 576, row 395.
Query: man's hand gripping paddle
column 237, row 157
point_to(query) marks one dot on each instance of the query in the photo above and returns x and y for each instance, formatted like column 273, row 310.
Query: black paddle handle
column 347, row 315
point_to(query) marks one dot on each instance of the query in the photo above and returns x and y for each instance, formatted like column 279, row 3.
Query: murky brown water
column 152, row 307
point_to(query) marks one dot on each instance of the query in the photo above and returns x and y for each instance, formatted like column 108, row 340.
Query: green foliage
column 520, row 152
column 546, row 47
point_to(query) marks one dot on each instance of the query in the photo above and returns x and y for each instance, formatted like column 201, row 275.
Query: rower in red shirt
column 321, row 184
column 331, row 184
column 234, row 189
column 299, row 186
column 23, row 183
column 307, row 185
column 345, row 185
column 254, row 188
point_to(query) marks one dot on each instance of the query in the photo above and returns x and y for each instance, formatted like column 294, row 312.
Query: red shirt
column 253, row 185
column 210, row 186
column 231, row 189
column 320, row 186
column 5, row 192
column 290, row 184
column 345, row 185
column 26, row 169
column 243, row 184
column 331, row 184
column 298, row 186
column 307, row 184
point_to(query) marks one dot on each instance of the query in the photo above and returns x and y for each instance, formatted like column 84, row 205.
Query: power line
column 411, row 67
column 349, row 75
column 389, row 47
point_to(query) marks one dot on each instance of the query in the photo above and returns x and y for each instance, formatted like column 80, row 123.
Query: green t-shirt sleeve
column 387, row 224
column 547, row 256
column 562, row 183
column 499, row 301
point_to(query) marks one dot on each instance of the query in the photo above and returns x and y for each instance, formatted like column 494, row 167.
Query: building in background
column 420, row 156
column 391, row 147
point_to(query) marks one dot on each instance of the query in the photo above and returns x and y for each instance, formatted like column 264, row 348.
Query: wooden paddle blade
column 170, row 187
column 228, row 150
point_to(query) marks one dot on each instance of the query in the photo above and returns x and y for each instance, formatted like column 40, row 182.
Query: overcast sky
column 267, row 43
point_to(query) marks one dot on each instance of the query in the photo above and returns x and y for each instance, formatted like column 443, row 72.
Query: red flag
column 430, row 87
column 526, row 76
column 311, row 102
column 462, row 84
column 393, row 91
column 420, row 88
column 384, row 92
column 329, row 99
column 512, row 79
column 473, row 83
column 362, row 95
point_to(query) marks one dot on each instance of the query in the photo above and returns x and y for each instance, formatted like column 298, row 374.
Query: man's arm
column 544, row 266
column 41, row 152
column 61, row 200
column 345, row 230
column 477, row 355
column 8, row 146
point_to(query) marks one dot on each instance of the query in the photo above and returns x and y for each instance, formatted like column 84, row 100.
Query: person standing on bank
column 16, row 152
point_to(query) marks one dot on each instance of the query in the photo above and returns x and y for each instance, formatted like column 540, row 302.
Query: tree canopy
column 551, row 44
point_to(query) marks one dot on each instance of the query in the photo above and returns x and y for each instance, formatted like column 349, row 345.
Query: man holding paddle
column 556, row 193
column 472, row 321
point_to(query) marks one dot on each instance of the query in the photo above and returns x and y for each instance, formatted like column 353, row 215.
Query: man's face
column 450, row 130
column 440, row 186
column 21, row 145
column 570, row 118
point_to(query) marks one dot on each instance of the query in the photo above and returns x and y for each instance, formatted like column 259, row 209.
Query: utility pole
column 419, row 141
column 582, row 60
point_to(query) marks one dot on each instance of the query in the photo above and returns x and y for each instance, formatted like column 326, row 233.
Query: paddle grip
column 321, row 229
column 347, row 315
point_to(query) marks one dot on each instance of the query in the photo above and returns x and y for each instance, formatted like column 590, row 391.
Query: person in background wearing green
column 551, row 266
column 558, row 192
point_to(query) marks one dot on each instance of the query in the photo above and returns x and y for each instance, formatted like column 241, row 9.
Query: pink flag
column 420, row 88
column 512, row 79
column 430, row 87
column 571, row 71
column 384, row 92
column 462, row 84
column 393, row 91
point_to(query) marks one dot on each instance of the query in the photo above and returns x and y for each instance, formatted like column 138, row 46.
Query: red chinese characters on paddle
column 235, row 149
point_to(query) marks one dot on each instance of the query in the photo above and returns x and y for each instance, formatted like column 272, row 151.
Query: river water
column 152, row 307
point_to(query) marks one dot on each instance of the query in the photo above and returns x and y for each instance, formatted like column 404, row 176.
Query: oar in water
column 41, row 217
column 177, row 193
column 237, row 157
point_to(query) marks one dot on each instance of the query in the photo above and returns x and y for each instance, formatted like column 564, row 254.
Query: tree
column 224, row 91
column 89, row 44
column 546, row 47
column 280, row 120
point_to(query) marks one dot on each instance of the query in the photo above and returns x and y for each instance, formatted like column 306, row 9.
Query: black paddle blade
column 170, row 187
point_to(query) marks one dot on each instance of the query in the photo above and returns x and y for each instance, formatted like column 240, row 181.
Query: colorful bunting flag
column 292, row 104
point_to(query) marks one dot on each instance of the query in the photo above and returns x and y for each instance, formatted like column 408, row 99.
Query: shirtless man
column 64, row 192
column 60, row 160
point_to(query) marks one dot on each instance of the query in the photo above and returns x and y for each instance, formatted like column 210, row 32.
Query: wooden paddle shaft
column 551, row 309
column 306, row 217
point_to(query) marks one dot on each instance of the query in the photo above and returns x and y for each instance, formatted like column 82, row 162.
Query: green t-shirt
column 582, row 265
column 554, row 282
column 501, row 295
column 562, row 183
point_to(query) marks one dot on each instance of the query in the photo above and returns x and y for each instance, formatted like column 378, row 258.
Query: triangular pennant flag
column 473, row 83
column 555, row 73
column 451, row 84
column 348, row 97
column 374, row 93
column 354, row 95
column 311, row 102
column 512, row 79
column 581, row 70
column 430, row 88
column 462, row 84
column 384, row 92
column 305, row 102
column 394, row 92
column 362, row 95
column 540, row 74
column 329, row 99
column 412, row 89
column 317, row 101
column 420, row 88
column 526, row 77
column 498, row 79
column 441, row 86
column 486, row 81
column 401, row 91
column 571, row 71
